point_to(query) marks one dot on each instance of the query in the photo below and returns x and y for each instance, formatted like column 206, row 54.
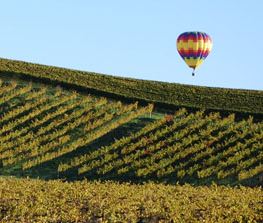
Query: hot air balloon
column 194, row 47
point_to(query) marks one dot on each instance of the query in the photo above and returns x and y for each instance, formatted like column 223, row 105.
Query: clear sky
column 137, row 38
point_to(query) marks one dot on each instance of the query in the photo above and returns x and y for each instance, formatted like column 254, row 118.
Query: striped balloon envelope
column 194, row 47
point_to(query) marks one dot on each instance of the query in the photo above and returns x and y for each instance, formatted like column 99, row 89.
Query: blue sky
column 138, row 38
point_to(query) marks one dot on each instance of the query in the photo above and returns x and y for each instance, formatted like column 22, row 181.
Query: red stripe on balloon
column 187, row 37
column 191, row 52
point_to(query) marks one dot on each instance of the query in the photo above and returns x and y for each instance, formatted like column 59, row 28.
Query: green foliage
column 189, row 147
column 249, row 101
column 57, row 128
column 44, row 125
column 61, row 129
column 26, row 200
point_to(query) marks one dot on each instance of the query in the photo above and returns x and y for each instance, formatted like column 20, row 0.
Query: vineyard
column 102, row 158
column 63, row 134
column 162, row 94
column 184, row 147
column 39, row 124
column 39, row 201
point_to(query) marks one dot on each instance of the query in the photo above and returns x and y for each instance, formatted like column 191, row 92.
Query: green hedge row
column 237, row 100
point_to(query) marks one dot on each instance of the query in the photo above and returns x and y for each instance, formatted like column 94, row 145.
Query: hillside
column 166, row 95
column 50, row 132
column 111, row 149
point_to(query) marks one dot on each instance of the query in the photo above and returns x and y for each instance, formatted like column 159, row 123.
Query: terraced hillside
column 54, row 133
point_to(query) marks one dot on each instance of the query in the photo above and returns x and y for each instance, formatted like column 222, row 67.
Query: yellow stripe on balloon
column 199, row 62
column 192, row 62
column 190, row 44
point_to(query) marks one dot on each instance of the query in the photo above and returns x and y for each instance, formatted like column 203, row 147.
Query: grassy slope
column 246, row 101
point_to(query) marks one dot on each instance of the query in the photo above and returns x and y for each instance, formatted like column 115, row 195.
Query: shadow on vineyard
column 49, row 132
column 48, row 170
